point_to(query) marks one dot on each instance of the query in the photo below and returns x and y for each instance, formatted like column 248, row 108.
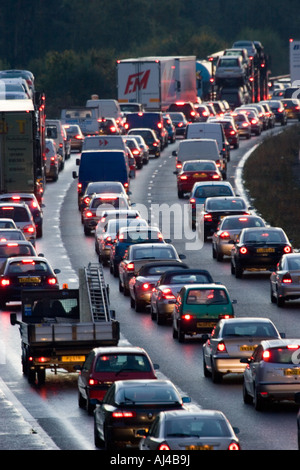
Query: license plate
column 203, row 447
column 206, row 324
column 292, row 372
column 265, row 250
column 29, row 280
column 199, row 175
column 73, row 358
column 247, row 348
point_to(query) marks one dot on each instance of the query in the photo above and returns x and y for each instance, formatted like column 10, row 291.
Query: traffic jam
column 111, row 143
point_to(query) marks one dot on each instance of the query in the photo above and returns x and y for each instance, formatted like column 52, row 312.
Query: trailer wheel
column 41, row 376
column 31, row 373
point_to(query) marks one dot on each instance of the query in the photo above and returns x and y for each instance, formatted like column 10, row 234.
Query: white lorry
column 157, row 82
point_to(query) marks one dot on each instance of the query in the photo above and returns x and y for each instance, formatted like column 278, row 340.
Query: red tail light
column 287, row 249
column 164, row 446
column 146, row 286
column 52, row 281
column 224, row 235
column 221, row 347
column 167, row 294
column 123, row 414
column 5, row 282
column 93, row 382
column 234, row 446
column 29, row 229
column 254, row 121
column 187, row 317
column 183, row 177
column 88, row 214
column 192, row 201
column 266, row 355
column 287, row 279
column 208, row 217
column 243, row 250
column 215, row 176
column 130, row 267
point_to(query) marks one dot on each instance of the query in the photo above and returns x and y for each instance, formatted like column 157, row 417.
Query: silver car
column 231, row 340
column 142, row 285
column 164, row 294
column 190, row 430
column 284, row 280
column 228, row 230
column 272, row 372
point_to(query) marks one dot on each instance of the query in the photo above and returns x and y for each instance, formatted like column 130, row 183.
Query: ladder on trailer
column 97, row 292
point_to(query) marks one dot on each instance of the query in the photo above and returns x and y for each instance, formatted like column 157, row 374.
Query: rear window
column 14, row 249
column 241, row 222
column 147, row 394
column 18, row 214
column 154, row 252
column 285, row 355
column 118, row 362
column 206, row 297
column 199, row 426
column 143, row 120
column 213, row 191
column 265, row 236
column 249, row 329
column 51, row 132
column 199, row 166
column 223, row 205
column 188, row 278
column 28, row 267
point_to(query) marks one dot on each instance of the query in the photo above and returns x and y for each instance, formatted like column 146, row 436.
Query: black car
column 131, row 405
column 279, row 110
column 147, row 120
column 180, row 122
column 259, row 249
column 187, row 108
column 30, row 272
column 217, row 207
column 150, row 138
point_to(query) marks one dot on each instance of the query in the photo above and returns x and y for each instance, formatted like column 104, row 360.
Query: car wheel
column 238, row 271
column 153, row 314
column 132, row 302
column 139, row 306
column 272, row 297
column 181, row 335
column 246, row 397
column 214, row 253
column 180, row 194
column 280, row 301
column 215, row 375
column 81, row 401
column 87, row 231
column 160, row 319
column 219, row 256
column 258, row 401
column 206, row 372
column 120, row 286
column 41, row 376
column 175, row 333
column 99, row 443
column 232, row 268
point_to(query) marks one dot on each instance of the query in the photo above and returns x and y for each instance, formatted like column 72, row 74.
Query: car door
column 252, row 371
column 83, row 378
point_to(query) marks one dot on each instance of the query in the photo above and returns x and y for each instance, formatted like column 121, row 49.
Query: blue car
column 170, row 128
column 201, row 191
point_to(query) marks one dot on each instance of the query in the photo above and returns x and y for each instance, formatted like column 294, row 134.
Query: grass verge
column 272, row 177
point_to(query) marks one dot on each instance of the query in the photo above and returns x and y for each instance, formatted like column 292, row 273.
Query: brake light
column 232, row 132
column 5, row 282
column 88, row 214
column 221, row 347
column 245, row 124
column 183, row 177
column 293, row 346
column 78, row 137
column 287, row 249
column 113, row 129
column 224, row 235
column 187, row 317
column 123, row 414
column 234, row 446
column 79, row 187
column 287, row 279
column 42, row 359
column 16, row 198
column 207, row 217
column 216, row 176
column 254, row 121
column 192, row 201
column 146, row 286
column 130, row 267
column 280, row 110
column 93, row 382
column 52, row 281
column 243, row 250
column 180, row 124
column 178, row 165
column 29, row 229
column 164, row 446
column 86, row 200
column 159, row 125
column 266, row 355
column 167, row 294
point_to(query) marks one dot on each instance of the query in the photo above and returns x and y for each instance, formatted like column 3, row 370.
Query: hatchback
column 272, row 373
column 150, row 138
column 11, row 248
column 185, row 107
column 180, row 122
column 196, row 170
column 190, row 430
column 33, row 205
column 30, row 272
column 105, row 365
column 198, row 309
column 284, row 280
column 22, row 217
column 99, row 202
column 74, row 133
column 131, row 405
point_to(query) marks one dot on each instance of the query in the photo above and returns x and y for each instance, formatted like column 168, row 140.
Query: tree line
column 72, row 46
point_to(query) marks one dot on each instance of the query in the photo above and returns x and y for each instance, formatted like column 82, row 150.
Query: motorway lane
column 65, row 245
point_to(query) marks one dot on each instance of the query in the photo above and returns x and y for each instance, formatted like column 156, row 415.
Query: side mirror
column 186, row 400
column 182, row 256
column 57, row 271
column 77, row 161
column 13, row 319
column 234, row 301
column 245, row 360
column 174, row 153
column 156, row 366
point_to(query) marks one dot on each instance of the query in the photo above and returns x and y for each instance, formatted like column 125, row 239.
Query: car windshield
column 211, row 191
column 240, row 223
column 283, row 355
column 147, row 394
column 197, row 426
column 199, row 166
column 226, row 204
column 249, row 329
column 265, row 236
column 206, row 297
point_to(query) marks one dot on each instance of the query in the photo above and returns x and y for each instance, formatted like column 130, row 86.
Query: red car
column 194, row 171
column 105, row 365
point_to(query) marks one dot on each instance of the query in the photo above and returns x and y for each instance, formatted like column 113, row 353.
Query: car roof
column 120, row 349
column 280, row 342
column 205, row 286
column 33, row 258
column 163, row 246
column 263, row 229
column 183, row 414
column 213, row 183
column 146, row 382
column 246, row 320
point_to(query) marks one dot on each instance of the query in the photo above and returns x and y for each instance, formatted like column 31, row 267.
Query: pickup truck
column 59, row 328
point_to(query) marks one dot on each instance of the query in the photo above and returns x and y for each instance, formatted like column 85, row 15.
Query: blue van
column 101, row 165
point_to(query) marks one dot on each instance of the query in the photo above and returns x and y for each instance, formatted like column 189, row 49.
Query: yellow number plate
column 73, row 358
column 30, row 280
column 265, row 250
column 199, row 175
column 204, row 447
column 292, row 372
column 206, row 324
column 247, row 348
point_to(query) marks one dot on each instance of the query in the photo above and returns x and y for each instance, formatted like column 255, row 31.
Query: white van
column 106, row 108
column 200, row 149
column 209, row 130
